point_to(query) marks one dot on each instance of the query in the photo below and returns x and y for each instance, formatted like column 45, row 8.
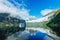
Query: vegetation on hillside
column 9, row 25
column 54, row 23
column 37, row 24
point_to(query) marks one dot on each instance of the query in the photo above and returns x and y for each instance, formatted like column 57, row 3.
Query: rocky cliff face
column 10, row 25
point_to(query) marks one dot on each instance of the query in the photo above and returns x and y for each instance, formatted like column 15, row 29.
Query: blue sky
column 37, row 7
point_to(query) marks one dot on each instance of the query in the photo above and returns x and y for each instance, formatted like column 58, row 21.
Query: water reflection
column 19, row 35
column 30, row 35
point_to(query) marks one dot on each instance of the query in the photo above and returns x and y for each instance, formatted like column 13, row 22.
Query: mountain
column 39, row 20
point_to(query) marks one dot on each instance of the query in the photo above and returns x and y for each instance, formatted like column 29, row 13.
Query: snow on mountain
column 39, row 20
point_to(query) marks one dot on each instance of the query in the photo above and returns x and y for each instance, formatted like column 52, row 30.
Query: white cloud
column 33, row 17
column 45, row 11
column 6, row 6
column 39, row 20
